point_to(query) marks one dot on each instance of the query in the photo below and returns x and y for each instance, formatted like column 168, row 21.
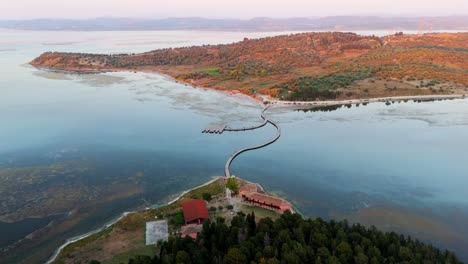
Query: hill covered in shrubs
column 306, row 66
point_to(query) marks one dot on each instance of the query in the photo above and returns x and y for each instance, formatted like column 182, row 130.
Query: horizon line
column 239, row 18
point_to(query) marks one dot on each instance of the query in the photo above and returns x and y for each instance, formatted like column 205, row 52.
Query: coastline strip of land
column 122, row 216
column 371, row 100
column 313, row 66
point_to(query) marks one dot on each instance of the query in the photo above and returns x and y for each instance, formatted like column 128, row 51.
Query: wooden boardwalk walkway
column 265, row 121
column 227, row 171
column 219, row 129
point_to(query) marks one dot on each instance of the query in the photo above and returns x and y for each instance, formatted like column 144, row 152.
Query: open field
column 259, row 212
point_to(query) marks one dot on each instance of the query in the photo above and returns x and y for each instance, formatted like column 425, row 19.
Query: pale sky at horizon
column 28, row 9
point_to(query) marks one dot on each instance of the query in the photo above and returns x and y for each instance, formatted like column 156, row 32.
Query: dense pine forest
column 292, row 239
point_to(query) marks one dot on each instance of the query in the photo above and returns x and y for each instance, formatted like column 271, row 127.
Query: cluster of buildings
column 196, row 212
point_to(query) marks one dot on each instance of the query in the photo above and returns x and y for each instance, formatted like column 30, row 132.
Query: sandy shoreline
column 228, row 93
column 272, row 101
column 294, row 104
column 282, row 103
column 93, row 71
column 279, row 103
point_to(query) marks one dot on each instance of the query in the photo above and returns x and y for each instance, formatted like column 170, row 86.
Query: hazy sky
column 24, row 9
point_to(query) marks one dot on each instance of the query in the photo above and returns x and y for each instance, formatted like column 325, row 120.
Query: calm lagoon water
column 400, row 167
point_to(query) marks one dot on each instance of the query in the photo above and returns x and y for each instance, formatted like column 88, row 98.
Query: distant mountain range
column 255, row 24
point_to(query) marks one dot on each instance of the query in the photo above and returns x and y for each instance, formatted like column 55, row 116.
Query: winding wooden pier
column 219, row 129
column 265, row 121
column 227, row 171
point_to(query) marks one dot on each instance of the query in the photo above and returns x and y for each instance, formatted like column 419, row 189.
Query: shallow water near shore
column 123, row 141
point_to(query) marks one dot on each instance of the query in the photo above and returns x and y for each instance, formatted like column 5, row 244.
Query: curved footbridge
column 265, row 121
column 221, row 128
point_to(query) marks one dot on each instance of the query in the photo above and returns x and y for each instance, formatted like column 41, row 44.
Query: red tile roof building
column 248, row 187
column 266, row 201
column 191, row 230
column 195, row 211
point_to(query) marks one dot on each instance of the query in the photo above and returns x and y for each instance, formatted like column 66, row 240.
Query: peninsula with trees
column 301, row 67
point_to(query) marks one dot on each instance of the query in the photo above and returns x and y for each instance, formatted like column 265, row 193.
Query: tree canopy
column 292, row 239
column 232, row 184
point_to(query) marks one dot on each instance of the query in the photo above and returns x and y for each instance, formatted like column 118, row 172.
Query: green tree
column 182, row 257
column 405, row 253
column 206, row 197
column 323, row 253
column 178, row 218
column 251, row 224
column 140, row 260
column 334, row 260
column 292, row 239
column 344, row 252
column 269, row 252
column 234, row 256
column 232, row 184
column 361, row 258
column 273, row 261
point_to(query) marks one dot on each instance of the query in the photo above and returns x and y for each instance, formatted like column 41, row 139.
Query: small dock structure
column 217, row 129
